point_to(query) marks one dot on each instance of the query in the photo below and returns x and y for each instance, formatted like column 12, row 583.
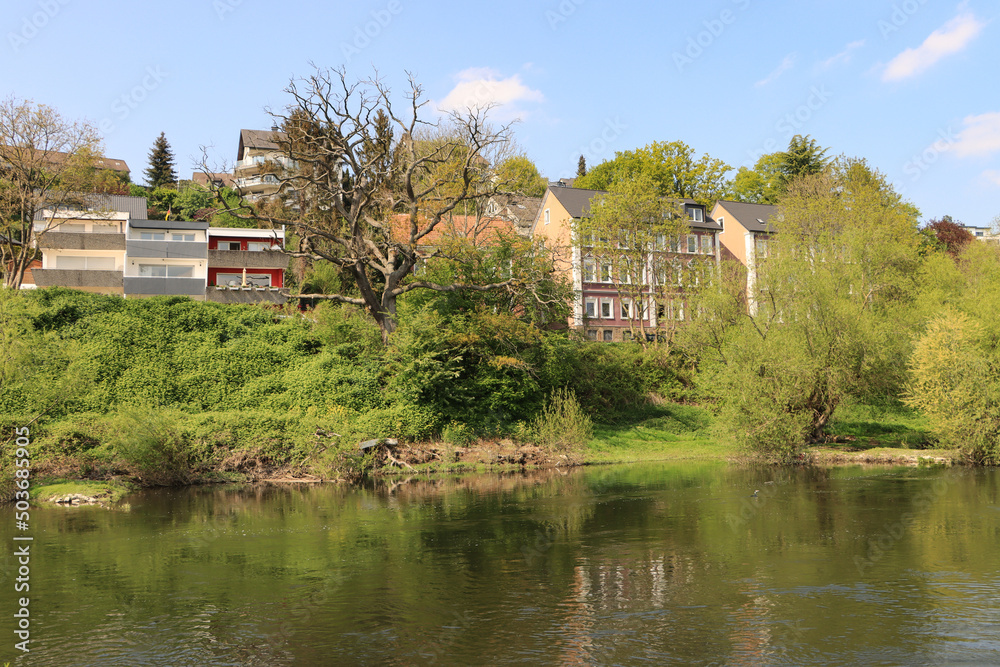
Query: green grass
column 666, row 432
column 868, row 427
column 106, row 491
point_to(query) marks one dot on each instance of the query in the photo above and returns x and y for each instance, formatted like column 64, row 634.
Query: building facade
column 111, row 248
column 610, row 304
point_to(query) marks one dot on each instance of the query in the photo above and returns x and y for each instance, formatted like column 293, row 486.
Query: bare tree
column 46, row 162
column 374, row 207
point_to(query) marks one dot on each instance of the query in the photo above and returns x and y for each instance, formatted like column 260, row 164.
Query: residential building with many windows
column 111, row 248
column 611, row 303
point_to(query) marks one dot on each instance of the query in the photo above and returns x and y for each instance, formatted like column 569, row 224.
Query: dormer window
column 696, row 214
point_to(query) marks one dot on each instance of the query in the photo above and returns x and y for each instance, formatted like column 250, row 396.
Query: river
column 652, row 564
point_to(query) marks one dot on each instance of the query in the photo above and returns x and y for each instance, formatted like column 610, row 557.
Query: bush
column 562, row 425
column 956, row 384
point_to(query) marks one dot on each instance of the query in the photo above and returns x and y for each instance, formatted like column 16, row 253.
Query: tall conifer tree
column 161, row 164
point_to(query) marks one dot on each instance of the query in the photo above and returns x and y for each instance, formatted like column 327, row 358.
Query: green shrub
column 562, row 425
column 956, row 384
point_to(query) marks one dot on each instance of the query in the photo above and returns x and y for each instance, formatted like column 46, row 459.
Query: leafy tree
column 828, row 325
column 627, row 238
column 46, row 162
column 955, row 371
column 522, row 176
column 161, row 164
column 581, row 167
column 379, row 234
column 671, row 166
column 764, row 184
column 192, row 202
column 952, row 236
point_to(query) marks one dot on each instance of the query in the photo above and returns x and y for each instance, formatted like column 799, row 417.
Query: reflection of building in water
column 750, row 633
column 600, row 587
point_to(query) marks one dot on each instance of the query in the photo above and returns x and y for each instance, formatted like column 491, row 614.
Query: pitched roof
column 455, row 226
column 201, row 178
column 57, row 158
column 576, row 201
column 266, row 140
column 754, row 217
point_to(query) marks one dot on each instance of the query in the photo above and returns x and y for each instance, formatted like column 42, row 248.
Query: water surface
column 632, row 565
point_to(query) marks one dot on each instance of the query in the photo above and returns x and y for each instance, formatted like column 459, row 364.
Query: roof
column 135, row 207
column 519, row 209
column 576, row 201
column 455, row 226
column 58, row 157
column 203, row 179
column 265, row 140
column 754, row 217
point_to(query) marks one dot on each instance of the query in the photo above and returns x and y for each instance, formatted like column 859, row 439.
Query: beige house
column 83, row 246
column 745, row 237
column 600, row 310
column 257, row 148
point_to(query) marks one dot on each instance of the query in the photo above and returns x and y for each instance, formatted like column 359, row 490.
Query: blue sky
column 911, row 85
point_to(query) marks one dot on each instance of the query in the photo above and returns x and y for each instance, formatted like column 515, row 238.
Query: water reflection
column 653, row 564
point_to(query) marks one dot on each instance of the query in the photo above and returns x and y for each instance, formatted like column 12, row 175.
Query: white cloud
column 785, row 65
column 980, row 136
column 992, row 176
column 482, row 86
column 950, row 38
column 844, row 56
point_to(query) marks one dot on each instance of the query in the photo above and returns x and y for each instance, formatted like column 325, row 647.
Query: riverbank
column 861, row 435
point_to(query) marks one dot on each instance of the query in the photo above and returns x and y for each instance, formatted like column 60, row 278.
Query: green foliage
column 563, row 425
column 956, row 383
column 671, row 166
column 764, row 184
column 161, row 164
column 478, row 367
column 828, row 320
column 192, row 201
column 521, row 176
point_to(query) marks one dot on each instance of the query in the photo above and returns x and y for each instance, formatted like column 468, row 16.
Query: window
column 626, row 309
column 105, row 228
column 589, row 271
column 236, row 279
column 152, row 236
column 606, row 272
column 721, row 221
column 71, row 228
column 692, row 243
column 166, row 271
column 181, row 237
column 590, row 307
column 707, row 245
column 607, row 309
column 229, row 245
column 609, row 335
column 591, row 334
column 661, row 242
column 587, row 241
column 254, row 246
column 760, row 248
column 548, row 218
column 85, row 263
column 696, row 214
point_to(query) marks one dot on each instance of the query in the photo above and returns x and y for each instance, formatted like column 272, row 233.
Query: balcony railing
column 247, row 259
column 168, row 286
column 257, row 160
column 109, row 281
column 81, row 241
column 167, row 249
